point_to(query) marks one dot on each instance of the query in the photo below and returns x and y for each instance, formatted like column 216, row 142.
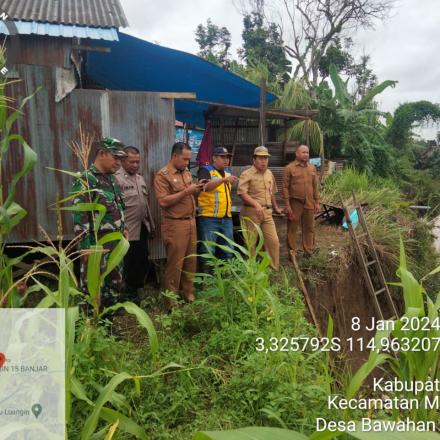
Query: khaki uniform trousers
column 180, row 239
column 267, row 225
column 307, row 218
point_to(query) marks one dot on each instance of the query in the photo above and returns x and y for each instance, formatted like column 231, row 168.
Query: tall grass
column 375, row 191
column 386, row 211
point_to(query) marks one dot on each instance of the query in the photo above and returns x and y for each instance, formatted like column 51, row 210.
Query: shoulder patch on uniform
column 163, row 170
column 247, row 170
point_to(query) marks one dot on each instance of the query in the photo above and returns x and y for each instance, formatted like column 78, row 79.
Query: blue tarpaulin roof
column 137, row 65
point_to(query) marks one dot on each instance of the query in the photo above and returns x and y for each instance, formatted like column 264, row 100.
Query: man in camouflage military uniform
column 98, row 184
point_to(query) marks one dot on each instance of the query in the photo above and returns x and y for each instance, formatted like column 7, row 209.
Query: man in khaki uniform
column 257, row 189
column 139, row 221
column 175, row 193
column 301, row 196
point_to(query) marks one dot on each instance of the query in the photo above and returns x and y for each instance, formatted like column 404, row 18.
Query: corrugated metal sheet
column 43, row 51
column 62, row 30
column 146, row 121
column 242, row 136
column 101, row 13
column 138, row 118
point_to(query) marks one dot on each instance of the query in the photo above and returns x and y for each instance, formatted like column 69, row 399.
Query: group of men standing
column 114, row 181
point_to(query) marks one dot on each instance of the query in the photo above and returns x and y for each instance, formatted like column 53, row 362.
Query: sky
column 404, row 48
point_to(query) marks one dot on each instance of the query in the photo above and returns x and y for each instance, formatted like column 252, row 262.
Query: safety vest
column 216, row 203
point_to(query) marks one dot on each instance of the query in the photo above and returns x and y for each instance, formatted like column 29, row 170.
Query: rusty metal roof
column 99, row 13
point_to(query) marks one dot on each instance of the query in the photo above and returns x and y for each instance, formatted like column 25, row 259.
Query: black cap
column 221, row 151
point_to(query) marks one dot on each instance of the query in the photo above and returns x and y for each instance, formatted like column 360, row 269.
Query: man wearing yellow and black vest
column 215, row 203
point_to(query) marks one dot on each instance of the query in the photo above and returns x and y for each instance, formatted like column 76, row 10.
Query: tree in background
column 361, row 75
column 337, row 55
column 314, row 25
column 405, row 116
column 214, row 43
column 354, row 126
column 263, row 42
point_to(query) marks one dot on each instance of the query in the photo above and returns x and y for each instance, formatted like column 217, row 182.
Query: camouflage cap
column 261, row 151
column 113, row 146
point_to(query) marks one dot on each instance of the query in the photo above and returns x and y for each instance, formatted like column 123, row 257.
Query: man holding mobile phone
column 215, row 204
column 175, row 192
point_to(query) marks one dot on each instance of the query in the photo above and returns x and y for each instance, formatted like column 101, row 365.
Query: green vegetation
column 388, row 217
column 221, row 363
column 11, row 213
column 411, row 364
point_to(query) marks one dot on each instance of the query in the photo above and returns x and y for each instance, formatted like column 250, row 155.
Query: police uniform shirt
column 135, row 196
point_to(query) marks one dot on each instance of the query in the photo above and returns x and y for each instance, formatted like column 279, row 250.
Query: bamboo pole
column 262, row 111
column 305, row 293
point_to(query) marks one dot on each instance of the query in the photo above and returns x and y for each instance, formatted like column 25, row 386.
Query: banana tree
column 360, row 129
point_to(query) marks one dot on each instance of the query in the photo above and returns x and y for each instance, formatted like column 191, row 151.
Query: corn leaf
column 325, row 435
column 72, row 315
column 94, row 279
column 125, row 423
column 89, row 207
column 112, row 430
column 29, row 160
column 396, row 435
column 92, row 421
column 375, row 359
column 251, row 433
column 118, row 252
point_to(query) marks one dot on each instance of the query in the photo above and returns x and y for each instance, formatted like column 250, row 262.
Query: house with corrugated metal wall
column 54, row 35
column 111, row 84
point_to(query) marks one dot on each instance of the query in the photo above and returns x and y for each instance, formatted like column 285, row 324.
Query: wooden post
column 222, row 132
column 185, row 133
column 305, row 293
column 233, row 141
column 262, row 112
column 307, row 124
column 284, row 140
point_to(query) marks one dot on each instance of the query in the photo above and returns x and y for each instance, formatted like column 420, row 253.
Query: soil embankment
column 336, row 288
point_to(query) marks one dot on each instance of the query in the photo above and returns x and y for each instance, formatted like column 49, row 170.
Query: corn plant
column 420, row 322
column 250, row 271
column 65, row 294
column 11, row 213
column 65, row 297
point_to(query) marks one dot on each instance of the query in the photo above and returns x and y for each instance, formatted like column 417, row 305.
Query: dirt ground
column 335, row 286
